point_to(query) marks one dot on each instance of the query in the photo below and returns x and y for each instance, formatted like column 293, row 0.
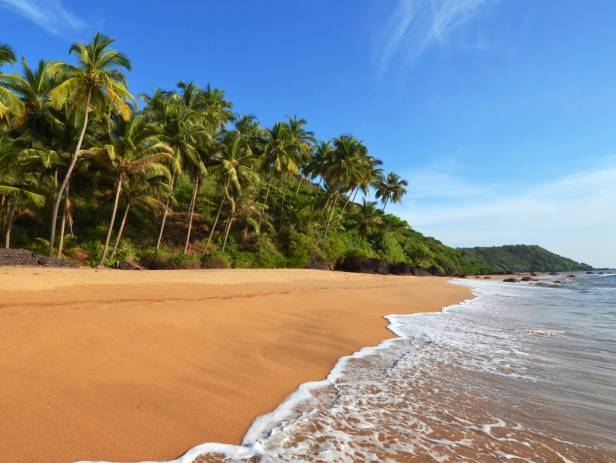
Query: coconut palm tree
column 237, row 167
column 366, row 217
column 9, row 102
column 136, row 150
column 391, row 188
column 148, row 189
column 95, row 83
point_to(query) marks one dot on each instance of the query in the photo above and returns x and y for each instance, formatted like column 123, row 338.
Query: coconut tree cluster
column 92, row 172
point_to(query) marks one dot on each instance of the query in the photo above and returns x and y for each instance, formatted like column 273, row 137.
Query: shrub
column 185, row 261
column 389, row 248
column 217, row 259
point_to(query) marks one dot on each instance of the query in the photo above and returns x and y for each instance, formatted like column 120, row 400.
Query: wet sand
column 143, row 365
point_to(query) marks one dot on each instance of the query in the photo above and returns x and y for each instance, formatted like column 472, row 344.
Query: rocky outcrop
column 511, row 280
column 359, row 264
column 23, row 257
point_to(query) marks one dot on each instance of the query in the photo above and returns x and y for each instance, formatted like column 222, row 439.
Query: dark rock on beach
column 511, row 280
column 23, row 257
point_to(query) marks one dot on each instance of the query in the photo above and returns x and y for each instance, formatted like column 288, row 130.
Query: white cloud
column 51, row 15
column 417, row 24
column 574, row 216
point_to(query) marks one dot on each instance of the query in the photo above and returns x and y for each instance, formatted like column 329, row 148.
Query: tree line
column 85, row 160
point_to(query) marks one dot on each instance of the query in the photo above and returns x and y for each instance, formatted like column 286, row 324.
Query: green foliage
column 389, row 248
column 522, row 258
column 217, row 259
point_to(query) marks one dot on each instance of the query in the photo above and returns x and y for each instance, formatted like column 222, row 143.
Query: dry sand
column 127, row 366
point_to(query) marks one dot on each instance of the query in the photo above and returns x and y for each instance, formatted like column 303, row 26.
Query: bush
column 389, row 248
column 217, row 259
column 185, row 261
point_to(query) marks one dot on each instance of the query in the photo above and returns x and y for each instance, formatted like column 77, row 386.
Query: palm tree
column 136, row 150
column 392, row 188
column 9, row 102
column 148, row 189
column 366, row 217
column 236, row 165
column 344, row 171
column 17, row 186
column 96, row 83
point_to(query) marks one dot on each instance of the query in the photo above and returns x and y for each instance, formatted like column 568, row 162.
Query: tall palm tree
column 9, row 102
column 149, row 189
column 237, row 167
column 391, row 188
column 136, row 150
column 95, row 83
column 366, row 217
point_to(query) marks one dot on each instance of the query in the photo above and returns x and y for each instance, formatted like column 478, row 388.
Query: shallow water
column 520, row 373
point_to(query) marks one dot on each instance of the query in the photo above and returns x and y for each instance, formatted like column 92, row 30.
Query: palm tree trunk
column 284, row 193
column 9, row 225
column 120, row 231
column 165, row 213
column 351, row 198
column 331, row 213
column 56, row 204
column 329, row 198
column 112, row 221
column 191, row 212
column 62, row 227
column 316, row 194
column 269, row 184
column 299, row 184
column 222, row 202
column 229, row 222
column 385, row 204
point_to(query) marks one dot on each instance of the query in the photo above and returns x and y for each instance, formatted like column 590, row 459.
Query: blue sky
column 501, row 113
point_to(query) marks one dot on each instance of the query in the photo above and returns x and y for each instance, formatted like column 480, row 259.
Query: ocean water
column 523, row 372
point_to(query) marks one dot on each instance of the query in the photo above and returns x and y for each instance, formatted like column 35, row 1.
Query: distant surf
column 521, row 372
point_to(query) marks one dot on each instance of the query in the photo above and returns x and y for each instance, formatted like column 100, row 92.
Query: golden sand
column 143, row 365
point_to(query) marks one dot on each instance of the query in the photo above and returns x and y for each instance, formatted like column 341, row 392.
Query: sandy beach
column 129, row 366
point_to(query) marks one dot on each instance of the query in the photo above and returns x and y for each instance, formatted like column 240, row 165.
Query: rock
column 127, row 266
column 403, row 268
column 364, row 265
column 487, row 278
column 318, row 263
column 527, row 279
column 54, row 262
column 558, row 282
column 589, row 273
column 511, row 280
column 533, row 274
column 570, row 276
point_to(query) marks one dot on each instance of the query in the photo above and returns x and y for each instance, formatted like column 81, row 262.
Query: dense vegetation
column 182, row 181
column 522, row 258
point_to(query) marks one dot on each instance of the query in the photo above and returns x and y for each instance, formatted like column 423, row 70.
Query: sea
column 522, row 372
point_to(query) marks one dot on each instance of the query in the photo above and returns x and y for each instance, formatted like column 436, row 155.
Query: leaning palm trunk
column 112, row 221
column 65, row 217
column 267, row 192
column 222, row 202
column 331, row 213
column 9, row 224
column 316, row 194
column 284, row 193
column 324, row 208
column 229, row 223
column 120, row 231
column 58, row 199
column 351, row 198
column 191, row 212
column 165, row 213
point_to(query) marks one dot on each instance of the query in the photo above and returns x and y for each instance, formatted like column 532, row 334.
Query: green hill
column 523, row 258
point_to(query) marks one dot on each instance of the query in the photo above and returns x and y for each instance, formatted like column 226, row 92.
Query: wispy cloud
column 415, row 25
column 574, row 215
column 51, row 15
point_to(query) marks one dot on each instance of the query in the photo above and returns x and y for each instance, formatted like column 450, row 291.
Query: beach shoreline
column 129, row 366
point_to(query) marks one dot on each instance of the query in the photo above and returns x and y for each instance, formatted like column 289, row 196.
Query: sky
column 501, row 114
